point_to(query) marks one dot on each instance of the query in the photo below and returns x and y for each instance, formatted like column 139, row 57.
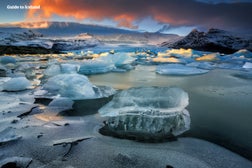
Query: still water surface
column 220, row 104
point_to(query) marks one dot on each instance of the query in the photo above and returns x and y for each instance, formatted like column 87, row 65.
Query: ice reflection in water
column 220, row 104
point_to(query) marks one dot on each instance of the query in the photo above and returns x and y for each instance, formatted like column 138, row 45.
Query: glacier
column 147, row 113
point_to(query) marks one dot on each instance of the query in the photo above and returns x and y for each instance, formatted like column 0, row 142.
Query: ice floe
column 7, row 60
column 119, row 62
column 243, row 53
column 73, row 86
column 95, row 67
column 16, row 84
column 147, row 113
column 179, row 69
column 64, row 68
column 247, row 65
column 209, row 57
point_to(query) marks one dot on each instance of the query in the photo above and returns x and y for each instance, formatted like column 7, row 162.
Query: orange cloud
column 126, row 12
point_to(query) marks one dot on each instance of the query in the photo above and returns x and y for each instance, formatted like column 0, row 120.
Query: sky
column 166, row 16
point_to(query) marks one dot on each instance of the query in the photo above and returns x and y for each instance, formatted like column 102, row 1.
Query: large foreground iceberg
column 147, row 113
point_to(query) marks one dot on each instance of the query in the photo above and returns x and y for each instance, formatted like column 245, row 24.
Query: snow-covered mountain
column 63, row 36
column 138, row 38
column 32, row 38
column 214, row 40
column 22, row 37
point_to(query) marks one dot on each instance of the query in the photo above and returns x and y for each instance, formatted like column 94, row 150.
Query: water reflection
column 220, row 104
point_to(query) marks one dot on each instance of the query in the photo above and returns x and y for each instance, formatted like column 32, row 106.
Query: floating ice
column 178, row 52
column 202, row 65
column 118, row 59
column 95, row 66
column 227, row 65
column 69, row 68
column 208, row 57
column 243, row 53
column 179, row 69
column 247, row 65
column 56, row 69
column 169, row 60
column 148, row 112
column 7, row 60
column 52, row 70
column 73, row 86
column 107, row 63
column 16, row 84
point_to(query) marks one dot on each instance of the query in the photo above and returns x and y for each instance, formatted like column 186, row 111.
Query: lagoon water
column 220, row 104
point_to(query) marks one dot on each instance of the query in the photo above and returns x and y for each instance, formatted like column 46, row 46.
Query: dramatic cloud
column 231, row 16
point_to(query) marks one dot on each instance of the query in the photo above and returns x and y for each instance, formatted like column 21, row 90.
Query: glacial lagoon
column 219, row 106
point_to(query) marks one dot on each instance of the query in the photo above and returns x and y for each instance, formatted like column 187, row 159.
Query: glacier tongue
column 147, row 113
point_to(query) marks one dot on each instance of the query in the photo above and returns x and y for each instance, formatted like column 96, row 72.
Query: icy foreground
column 147, row 113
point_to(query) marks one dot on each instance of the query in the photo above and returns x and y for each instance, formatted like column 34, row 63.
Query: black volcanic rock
column 26, row 50
column 214, row 40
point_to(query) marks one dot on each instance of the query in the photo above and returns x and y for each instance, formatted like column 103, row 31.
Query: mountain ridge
column 215, row 40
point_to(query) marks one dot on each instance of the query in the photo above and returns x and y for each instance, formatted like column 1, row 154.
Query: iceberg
column 180, row 52
column 147, row 113
column 179, row 69
column 73, row 86
column 119, row 62
column 56, row 69
column 95, row 67
column 209, row 57
column 227, row 65
column 52, row 70
column 118, row 59
column 243, row 53
column 16, row 84
column 69, row 68
column 247, row 65
column 7, row 60
column 202, row 65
